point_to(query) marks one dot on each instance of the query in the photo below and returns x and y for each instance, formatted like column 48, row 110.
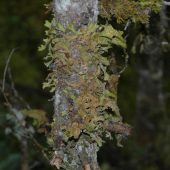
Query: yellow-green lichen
column 97, row 87
column 122, row 10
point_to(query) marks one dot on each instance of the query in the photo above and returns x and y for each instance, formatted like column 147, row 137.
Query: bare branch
column 6, row 68
column 166, row 3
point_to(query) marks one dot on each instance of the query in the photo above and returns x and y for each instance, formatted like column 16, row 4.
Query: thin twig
column 34, row 165
column 126, row 64
column 16, row 94
column 40, row 147
column 6, row 68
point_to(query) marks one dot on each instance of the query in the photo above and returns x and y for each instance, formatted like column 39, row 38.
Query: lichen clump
column 89, row 83
column 123, row 10
column 82, row 63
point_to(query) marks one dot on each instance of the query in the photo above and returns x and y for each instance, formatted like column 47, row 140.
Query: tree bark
column 82, row 155
column 150, row 98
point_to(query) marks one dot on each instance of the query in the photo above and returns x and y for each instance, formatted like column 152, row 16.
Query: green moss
column 123, row 10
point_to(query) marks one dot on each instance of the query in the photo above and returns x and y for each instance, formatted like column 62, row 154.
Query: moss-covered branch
column 80, row 63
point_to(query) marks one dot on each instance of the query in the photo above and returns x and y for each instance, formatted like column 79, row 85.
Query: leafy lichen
column 122, row 10
column 95, row 86
column 87, row 81
column 79, row 61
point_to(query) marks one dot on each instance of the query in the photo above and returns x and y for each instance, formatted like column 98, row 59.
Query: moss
column 123, row 10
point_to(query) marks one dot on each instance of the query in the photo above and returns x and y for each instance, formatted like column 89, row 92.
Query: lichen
column 91, row 81
column 79, row 60
column 123, row 10
column 84, row 79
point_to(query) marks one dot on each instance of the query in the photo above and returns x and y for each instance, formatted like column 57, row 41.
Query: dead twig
column 15, row 92
column 6, row 68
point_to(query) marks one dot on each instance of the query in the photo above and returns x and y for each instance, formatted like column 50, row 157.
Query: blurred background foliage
column 22, row 28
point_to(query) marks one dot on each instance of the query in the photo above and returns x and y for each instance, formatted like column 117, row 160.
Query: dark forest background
column 148, row 148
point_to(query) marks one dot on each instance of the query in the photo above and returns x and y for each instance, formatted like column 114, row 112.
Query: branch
column 6, row 68
column 119, row 128
column 166, row 3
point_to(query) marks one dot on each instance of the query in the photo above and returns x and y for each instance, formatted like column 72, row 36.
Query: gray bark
column 150, row 98
column 82, row 154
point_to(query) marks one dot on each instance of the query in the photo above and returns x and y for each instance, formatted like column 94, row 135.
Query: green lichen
column 123, row 10
column 79, row 61
column 97, row 86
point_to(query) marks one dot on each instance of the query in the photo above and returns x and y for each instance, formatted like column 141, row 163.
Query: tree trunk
column 150, row 98
column 82, row 155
